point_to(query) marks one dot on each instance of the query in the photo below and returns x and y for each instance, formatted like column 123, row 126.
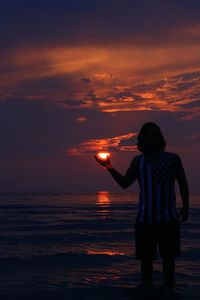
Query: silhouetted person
column 157, row 221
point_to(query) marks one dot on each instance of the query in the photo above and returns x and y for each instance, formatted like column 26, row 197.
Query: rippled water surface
column 80, row 241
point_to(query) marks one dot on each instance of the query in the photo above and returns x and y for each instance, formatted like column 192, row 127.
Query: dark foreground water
column 82, row 247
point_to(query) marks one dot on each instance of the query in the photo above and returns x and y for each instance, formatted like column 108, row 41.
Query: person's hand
column 103, row 162
column 183, row 214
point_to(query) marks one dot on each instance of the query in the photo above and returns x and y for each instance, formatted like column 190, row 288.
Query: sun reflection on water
column 103, row 198
column 105, row 252
column 103, row 202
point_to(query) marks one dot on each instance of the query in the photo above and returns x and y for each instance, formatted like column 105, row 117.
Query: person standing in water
column 157, row 222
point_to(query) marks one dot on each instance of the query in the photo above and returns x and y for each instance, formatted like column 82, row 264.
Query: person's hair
column 150, row 138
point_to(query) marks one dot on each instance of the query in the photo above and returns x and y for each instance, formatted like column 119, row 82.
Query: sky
column 79, row 76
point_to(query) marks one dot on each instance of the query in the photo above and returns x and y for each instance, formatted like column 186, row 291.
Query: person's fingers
column 108, row 159
column 103, row 163
column 185, row 217
column 180, row 213
column 97, row 158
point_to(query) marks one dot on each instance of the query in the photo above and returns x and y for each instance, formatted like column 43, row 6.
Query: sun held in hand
column 103, row 155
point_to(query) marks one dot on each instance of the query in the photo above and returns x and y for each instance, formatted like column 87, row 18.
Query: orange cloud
column 108, row 79
column 101, row 64
column 174, row 94
column 114, row 144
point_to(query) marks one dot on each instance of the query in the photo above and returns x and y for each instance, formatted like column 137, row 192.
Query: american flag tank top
column 157, row 200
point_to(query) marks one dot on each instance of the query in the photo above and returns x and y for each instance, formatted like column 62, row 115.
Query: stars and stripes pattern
column 157, row 201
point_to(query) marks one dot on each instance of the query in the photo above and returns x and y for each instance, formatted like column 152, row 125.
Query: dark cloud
column 73, row 102
column 34, row 128
column 94, row 22
column 46, row 83
column 86, row 80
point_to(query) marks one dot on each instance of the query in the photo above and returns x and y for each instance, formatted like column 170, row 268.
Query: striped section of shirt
column 157, row 201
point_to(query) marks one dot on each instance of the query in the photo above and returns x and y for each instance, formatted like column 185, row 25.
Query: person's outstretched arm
column 123, row 180
column 184, row 190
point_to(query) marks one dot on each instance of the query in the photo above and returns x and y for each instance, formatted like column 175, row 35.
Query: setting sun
column 103, row 155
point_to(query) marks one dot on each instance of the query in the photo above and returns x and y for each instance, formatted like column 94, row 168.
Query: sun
column 103, row 155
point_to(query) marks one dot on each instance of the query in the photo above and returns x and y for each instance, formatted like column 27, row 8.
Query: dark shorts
column 165, row 236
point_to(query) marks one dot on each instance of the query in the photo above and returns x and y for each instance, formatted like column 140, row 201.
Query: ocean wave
column 33, row 226
column 62, row 238
column 62, row 260
column 191, row 254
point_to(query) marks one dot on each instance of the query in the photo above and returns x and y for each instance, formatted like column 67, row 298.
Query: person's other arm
column 184, row 190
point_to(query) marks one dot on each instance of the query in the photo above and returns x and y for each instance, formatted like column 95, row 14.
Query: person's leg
column 169, row 246
column 168, row 271
column 146, row 270
column 145, row 242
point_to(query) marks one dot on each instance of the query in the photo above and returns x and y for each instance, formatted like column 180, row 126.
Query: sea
column 66, row 246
